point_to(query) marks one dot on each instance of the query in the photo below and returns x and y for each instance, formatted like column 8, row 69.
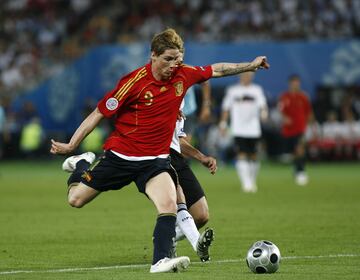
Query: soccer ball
column 263, row 257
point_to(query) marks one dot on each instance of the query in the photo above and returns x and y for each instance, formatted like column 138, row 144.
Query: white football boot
column 301, row 179
column 69, row 164
column 170, row 265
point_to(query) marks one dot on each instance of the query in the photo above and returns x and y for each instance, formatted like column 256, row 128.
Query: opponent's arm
column 264, row 114
column 228, row 69
column 206, row 102
column 83, row 130
column 190, row 151
column 224, row 118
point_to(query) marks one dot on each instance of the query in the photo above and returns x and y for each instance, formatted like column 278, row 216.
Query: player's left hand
column 210, row 163
column 260, row 62
column 58, row 148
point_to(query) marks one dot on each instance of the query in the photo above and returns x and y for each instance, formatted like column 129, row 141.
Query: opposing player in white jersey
column 190, row 194
column 246, row 104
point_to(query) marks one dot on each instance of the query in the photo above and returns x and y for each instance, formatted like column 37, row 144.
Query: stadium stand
column 39, row 37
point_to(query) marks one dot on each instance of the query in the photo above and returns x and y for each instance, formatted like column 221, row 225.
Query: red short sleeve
column 197, row 74
column 113, row 100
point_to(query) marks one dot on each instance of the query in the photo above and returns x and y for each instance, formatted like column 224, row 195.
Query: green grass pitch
column 316, row 227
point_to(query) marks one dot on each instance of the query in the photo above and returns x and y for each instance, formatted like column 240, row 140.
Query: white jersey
column 244, row 104
column 178, row 132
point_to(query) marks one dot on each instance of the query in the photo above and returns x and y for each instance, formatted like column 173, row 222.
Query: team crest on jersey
column 112, row 103
column 179, row 88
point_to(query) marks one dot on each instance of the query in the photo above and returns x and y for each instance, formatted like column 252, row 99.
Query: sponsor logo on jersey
column 162, row 89
column 245, row 98
column 112, row 104
column 179, row 88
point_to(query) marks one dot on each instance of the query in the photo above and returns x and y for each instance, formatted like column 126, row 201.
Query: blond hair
column 167, row 39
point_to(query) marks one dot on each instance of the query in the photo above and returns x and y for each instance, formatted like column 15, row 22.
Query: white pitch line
column 74, row 269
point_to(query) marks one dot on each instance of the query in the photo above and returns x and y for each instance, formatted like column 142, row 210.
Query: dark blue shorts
column 110, row 172
column 290, row 143
column 246, row 145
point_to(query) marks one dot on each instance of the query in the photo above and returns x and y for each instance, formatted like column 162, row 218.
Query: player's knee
column 76, row 202
column 168, row 206
column 201, row 219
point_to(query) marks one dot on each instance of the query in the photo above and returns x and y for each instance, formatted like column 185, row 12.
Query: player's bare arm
column 190, row 151
column 206, row 102
column 223, row 122
column 228, row 69
column 264, row 114
column 83, row 130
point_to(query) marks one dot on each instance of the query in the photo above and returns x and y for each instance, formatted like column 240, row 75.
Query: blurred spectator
column 2, row 127
column 331, row 142
column 94, row 141
column 349, row 135
column 12, row 136
column 27, row 113
column 31, row 138
column 33, row 31
column 39, row 37
column 313, row 138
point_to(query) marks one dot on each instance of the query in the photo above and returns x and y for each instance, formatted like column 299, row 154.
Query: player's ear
column 153, row 55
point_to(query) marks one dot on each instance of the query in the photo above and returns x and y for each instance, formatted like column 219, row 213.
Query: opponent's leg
column 185, row 221
column 199, row 242
column 194, row 195
column 200, row 212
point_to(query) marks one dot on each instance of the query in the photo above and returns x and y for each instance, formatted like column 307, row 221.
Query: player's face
column 294, row 85
column 165, row 64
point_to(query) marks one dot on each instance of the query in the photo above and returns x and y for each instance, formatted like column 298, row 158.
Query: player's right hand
column 210, row 163
column 58, row 148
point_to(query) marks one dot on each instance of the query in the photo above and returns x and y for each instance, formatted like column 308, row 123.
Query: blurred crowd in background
column 38, row 38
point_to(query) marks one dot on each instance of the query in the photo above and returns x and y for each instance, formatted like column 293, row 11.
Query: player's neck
column 157, row 74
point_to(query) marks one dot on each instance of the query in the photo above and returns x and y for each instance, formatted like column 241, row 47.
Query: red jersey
column 297, row 108
column 146, row 109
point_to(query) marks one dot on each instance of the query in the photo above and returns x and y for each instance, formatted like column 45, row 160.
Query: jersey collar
column 148, row 69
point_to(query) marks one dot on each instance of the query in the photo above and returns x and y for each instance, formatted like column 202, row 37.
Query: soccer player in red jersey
column 297, row 112
column 145, row 105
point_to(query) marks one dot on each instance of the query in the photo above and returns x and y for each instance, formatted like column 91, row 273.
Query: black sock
column 81, row 166
column 164, row 234
column 299, row 164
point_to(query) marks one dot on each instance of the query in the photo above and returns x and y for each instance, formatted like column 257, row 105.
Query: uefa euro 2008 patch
column 112, row 103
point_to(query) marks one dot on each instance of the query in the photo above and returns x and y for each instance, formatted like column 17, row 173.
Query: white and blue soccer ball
column 263, row 257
